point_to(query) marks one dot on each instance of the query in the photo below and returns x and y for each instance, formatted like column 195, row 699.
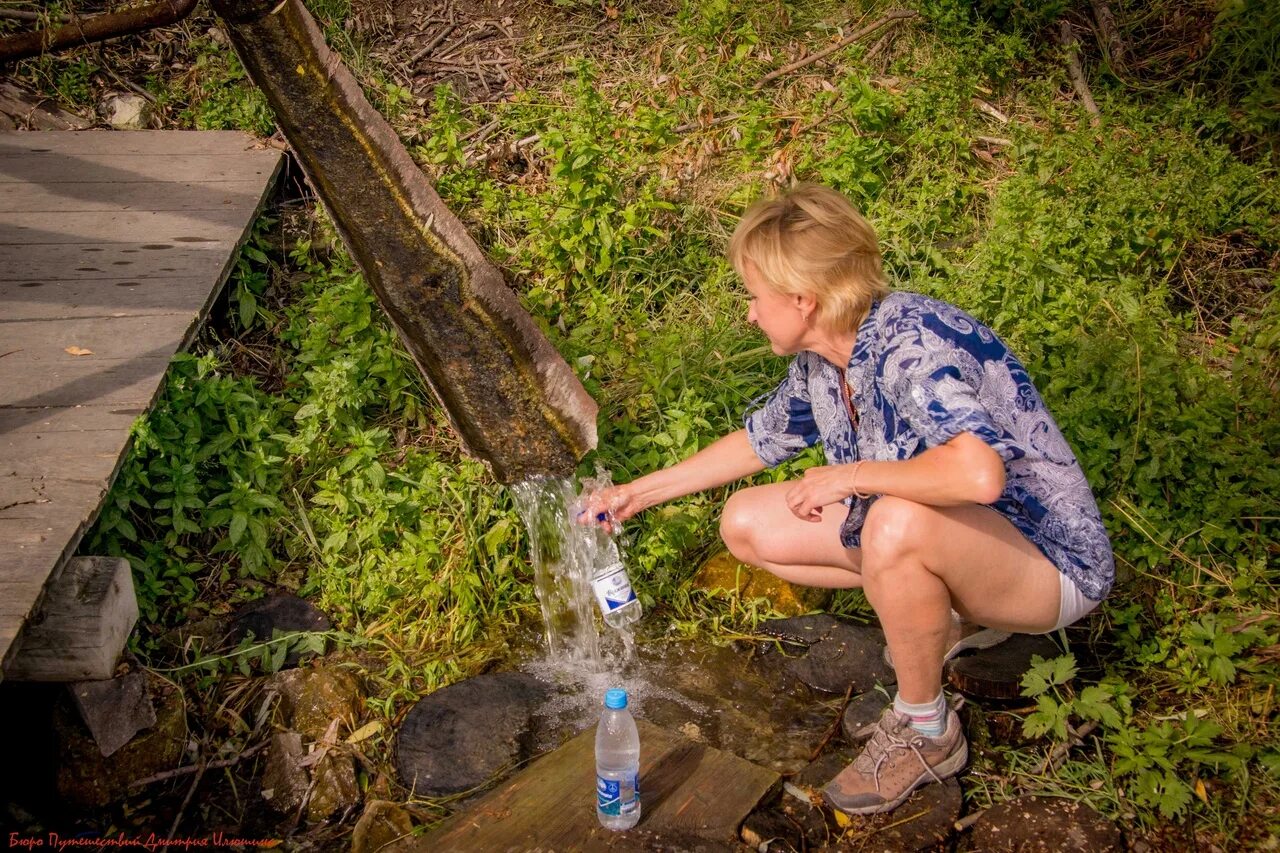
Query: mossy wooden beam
column 511, row 397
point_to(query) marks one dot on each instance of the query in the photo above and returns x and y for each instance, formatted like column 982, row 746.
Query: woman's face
column 779, row 316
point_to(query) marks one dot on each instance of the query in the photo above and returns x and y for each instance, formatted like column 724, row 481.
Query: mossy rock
column 724, row 571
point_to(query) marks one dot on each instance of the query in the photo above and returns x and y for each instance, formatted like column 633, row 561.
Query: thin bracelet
column 853, row 481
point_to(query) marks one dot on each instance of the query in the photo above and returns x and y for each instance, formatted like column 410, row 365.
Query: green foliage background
column 1132, row 265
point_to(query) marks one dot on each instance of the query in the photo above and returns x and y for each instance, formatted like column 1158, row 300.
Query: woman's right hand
column 611, row 506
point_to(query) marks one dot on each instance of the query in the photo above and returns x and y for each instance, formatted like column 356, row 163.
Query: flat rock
column 114, row 710
column 463, row 735
column 282, row 611
column 861, row 715
column 86, row 778
column 996, row 673
column 1027, row 824
column 846, row 655
column 723, row 571
column 311, row 699
column 284, row 779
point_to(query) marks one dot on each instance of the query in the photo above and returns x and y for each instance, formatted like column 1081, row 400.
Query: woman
column 947, row 485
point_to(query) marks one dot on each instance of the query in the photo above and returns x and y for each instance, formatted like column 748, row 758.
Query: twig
column 699, row 125
column 182, row 809
column 1067, row 37
column 835, row 724
column 434, row 43
column 987, row 109
column 889, row 18
column 193, row 768
column 997, row 141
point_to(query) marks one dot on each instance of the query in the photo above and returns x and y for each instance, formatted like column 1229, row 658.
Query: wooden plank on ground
column 99, row 297
column 106, row 261
column 110, row 197
column 215, row 225
column 689, row 791
column 116, row 244
column 177, row 144
column 130, row 168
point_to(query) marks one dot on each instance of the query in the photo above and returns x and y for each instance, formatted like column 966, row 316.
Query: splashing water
column 565, row 556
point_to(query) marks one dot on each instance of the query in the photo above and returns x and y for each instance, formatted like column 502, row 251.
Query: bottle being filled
column 609, row 582
column 617, row 764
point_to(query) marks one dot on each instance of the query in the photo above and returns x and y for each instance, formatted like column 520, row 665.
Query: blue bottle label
column 617, row 796
column 613, row 589
column 608, row 796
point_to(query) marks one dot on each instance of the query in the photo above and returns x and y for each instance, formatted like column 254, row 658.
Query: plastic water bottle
column 617, row 764
column 612, row 587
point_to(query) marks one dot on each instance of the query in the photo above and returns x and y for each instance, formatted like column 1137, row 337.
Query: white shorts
column 1073, row 605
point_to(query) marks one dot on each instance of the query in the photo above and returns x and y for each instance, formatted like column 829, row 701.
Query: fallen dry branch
column 889, row 18
column 989, row 110
column 193, row 768
column 1109, row 35
column 94, row 29
column 1067, row 37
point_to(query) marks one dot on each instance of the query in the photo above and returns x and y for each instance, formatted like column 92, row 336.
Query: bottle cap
column 615, row 698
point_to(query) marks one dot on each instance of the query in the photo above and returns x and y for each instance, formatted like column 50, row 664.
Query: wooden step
column 690, row 792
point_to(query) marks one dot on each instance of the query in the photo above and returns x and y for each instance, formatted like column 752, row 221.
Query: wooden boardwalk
column 113, row 245
column 692, row 795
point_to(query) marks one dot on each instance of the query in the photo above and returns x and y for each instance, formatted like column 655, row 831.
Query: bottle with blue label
column 617, row 764
column 612, row 587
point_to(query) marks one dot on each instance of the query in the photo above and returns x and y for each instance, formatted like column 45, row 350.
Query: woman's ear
column 806, row 303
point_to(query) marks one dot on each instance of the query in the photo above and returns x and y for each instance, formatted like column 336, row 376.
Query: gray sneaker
column 896, row 761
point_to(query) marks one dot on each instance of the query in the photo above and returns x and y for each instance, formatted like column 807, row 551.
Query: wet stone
column 311, row 699
column 279, row 611
column 861, row 715
column 846, row 655
column 996, row 673
column 461, row 736
column 723, row 571
column 334, row 787
column 382, row 823
column 284, row 779
column 86, row 778
column 114, row 710
column 1029, row 824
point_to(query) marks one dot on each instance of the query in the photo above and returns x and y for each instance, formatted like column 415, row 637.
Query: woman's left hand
column 821, row 486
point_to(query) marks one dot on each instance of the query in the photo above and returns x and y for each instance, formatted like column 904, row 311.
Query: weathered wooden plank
column 688, row 790
column 14, row 419
column 102, row 297
column 222, row 225
column 87, row 615
column 87, row 456
column 45, row 341
column 106, row 261
column 127, row 386
column 114, row 196
column 128, row 168
column 155, row 143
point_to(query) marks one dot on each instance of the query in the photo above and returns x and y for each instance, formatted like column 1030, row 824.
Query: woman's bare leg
column 760, row 530
column 919, row 562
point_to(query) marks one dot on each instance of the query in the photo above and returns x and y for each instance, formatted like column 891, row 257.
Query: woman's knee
column 740, row 524
column 891, row 531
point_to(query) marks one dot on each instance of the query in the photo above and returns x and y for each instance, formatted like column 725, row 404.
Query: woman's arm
column 964, row 470
column 729, row 458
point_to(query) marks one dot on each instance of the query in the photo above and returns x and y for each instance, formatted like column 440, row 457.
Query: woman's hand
column 611, row 506
column 821, row 486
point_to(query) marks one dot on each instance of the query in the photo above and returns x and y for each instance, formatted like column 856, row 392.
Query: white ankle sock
column 928, row 718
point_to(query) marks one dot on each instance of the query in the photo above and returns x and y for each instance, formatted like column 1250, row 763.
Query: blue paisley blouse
column 922, row 372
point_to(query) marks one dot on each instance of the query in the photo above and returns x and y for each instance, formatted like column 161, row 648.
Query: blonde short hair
column 811, row 240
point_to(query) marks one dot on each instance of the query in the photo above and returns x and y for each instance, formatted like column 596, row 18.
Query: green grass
column 1132, row 265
